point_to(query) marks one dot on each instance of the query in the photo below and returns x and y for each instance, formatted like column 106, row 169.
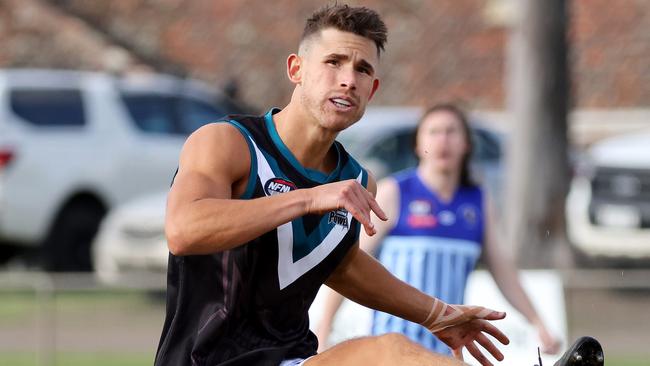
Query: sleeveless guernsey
column 248, row 305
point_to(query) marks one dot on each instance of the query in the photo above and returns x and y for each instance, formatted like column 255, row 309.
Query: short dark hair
column 358, row 20
column 465, row 175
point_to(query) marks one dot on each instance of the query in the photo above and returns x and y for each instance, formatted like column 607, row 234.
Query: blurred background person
column 440, row 223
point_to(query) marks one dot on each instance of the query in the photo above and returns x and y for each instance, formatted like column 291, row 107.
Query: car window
column 194, row 114
column 486, row 146
column 51, row 107
column 396, row 151
column 151, row 113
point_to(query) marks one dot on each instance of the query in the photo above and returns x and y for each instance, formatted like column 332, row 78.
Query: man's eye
column 332, row 62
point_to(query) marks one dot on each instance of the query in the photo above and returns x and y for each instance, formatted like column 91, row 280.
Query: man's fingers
column 495, row 332
column 495, row 315
column 478, row 355
column 361, row 201
column 370, row 229
column 374, row 206
column 363, row 218
column 489, row 314
column 489, row 346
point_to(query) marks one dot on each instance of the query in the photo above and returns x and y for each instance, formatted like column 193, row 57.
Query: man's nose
column 348, row 79
column 442, row 137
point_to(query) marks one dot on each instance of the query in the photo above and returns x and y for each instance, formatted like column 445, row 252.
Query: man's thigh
column 389, row 349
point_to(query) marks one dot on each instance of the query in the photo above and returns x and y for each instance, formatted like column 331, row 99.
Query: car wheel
column 67, row 247
column 7, row 252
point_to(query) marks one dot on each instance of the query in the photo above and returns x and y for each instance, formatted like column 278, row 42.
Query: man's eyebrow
column 366, row 64
column 337, row 56
column 343, row 57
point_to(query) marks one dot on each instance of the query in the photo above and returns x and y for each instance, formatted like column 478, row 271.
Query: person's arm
column 203, row 215
column 501, row 266
column 364, row 280
column 388, row 200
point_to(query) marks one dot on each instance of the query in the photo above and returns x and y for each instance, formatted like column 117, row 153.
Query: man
column 264, row 210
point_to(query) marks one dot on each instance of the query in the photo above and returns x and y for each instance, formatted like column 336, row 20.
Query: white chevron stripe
column 288, row 270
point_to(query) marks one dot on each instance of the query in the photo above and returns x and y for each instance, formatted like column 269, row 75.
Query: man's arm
column 362, row 279
column 388, row 198
column 502, row 267
column 203, row 215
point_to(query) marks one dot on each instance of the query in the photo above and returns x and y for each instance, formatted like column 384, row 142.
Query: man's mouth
column 341, row 103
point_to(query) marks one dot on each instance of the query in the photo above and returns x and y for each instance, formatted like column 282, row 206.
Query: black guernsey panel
column 248, row 305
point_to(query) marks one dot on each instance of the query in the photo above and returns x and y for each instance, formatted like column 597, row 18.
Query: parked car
column 75, row 144
column 131, row 239
column 608, row 206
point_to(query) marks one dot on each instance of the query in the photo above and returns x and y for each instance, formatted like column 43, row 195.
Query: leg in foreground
column 386, row 350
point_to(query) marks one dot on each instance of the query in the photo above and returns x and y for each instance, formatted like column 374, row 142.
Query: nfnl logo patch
column 278, row 185
column 339, row 217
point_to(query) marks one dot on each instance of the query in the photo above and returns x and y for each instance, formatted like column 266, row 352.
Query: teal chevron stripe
column 312, row 174
column 303, row 244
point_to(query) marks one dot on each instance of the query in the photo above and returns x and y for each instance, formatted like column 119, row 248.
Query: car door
column 391, row 153
column 149, row 162
column 163, row 123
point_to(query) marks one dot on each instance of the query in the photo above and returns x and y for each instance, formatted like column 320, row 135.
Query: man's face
column 337, row 77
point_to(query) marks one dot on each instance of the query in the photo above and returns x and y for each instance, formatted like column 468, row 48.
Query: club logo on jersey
column 446, row 218
column 339, row 217
column 419, row 207
column 420, row 214
column 278, row 185
column 469, row 213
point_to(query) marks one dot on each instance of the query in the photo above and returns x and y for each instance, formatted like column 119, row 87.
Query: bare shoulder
column 213, row 146
column 214, row 137
column 215, row 154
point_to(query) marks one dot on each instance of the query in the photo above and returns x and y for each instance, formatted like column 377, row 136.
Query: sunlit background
column 558, row 93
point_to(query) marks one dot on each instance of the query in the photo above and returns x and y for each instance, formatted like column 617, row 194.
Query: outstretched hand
column 467, row 334
column 461, row 326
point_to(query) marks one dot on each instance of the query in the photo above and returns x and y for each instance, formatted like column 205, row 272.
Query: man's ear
column 375, row 86
column 294, row 68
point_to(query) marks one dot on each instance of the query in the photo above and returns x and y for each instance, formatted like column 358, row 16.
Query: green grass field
column 78, row 359
column 116, row 328
column 92, row 328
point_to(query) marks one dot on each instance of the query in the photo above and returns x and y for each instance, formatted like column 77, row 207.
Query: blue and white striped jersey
column 434, row 246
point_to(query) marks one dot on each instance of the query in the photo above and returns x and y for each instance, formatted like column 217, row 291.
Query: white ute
column 75, row 144
column 608, row 207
